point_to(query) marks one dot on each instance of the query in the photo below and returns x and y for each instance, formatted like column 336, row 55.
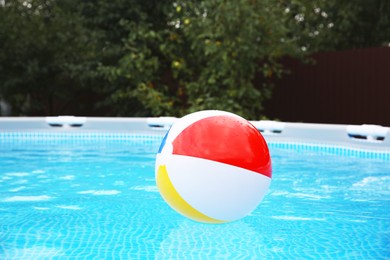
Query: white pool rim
column 362, row 137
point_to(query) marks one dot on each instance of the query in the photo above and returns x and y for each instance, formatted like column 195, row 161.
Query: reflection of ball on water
column 213, row 167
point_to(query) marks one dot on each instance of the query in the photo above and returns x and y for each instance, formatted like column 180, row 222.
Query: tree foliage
column 325, row 25
column 205, row 56
column 44, row 50
column 152, row 58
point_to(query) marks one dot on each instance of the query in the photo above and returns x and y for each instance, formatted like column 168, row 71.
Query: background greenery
column 153, row 58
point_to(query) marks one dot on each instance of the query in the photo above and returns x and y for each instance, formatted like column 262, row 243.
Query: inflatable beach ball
column 213, row 167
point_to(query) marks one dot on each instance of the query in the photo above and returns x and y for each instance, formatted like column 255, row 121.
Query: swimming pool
column 91, row 195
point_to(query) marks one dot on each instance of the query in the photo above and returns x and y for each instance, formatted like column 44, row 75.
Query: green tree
column 324, row 25
column 43, row 62
column 205, row 55
column 357, row 24
column 56, row 54
column 151, row 58
column 125, row 33
column 216, row 54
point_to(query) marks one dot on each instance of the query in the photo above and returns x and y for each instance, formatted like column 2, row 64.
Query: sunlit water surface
column 98, row 200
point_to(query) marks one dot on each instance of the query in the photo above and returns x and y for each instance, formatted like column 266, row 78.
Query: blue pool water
column 97, row 199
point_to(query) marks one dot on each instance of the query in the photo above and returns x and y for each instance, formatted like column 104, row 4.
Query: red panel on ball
column 226, row 139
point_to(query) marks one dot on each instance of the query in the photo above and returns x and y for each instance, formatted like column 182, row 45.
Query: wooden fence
column 345, row 87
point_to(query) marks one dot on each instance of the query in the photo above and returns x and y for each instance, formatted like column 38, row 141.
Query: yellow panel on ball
column 174, row 199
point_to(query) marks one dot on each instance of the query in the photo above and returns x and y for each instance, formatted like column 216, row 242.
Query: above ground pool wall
column 354, row 136
column 370, row 137
column 80, row 124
